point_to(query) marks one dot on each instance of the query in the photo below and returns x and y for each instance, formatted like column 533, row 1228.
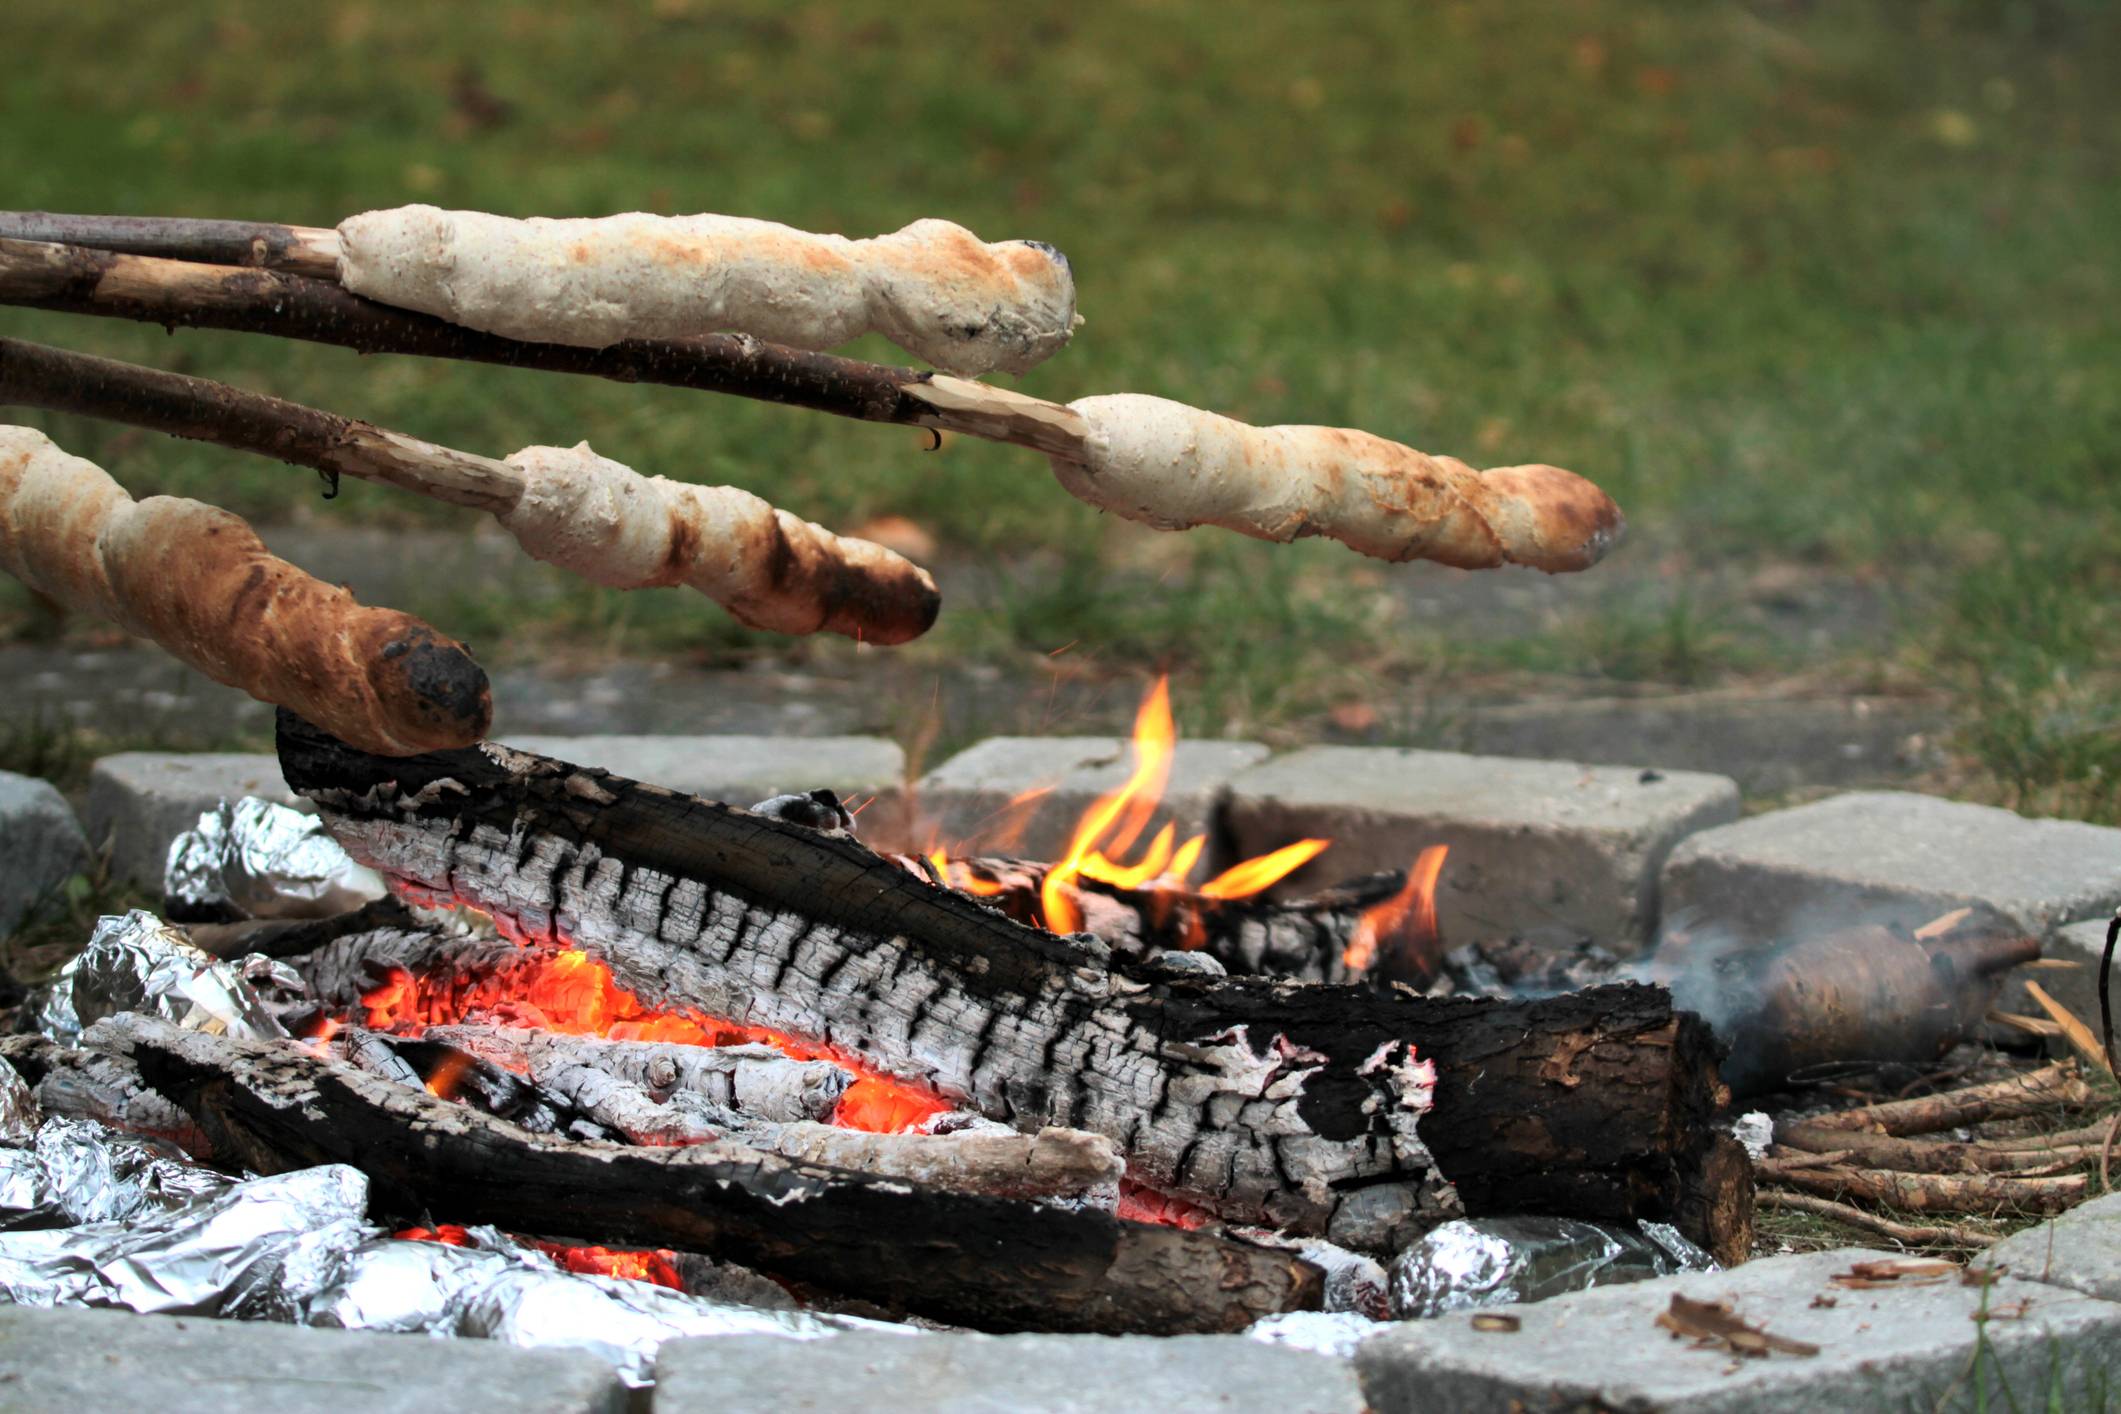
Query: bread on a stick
column 1172, row 466
column 198, row 581
column 613, row 526
column 934, row 288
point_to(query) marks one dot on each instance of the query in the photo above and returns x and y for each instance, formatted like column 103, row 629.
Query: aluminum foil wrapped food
column 259, row 859
column 136, row 962
column 498, row 1289
column 18, row 1108
column 1474, row 1262
column 73, row 1171
column 260, row 1250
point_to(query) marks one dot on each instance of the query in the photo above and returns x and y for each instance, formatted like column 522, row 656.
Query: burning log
column 566, row 506
column 199, row 582
column 988, row 1262
column 1301, row 940
column 1260, row 1100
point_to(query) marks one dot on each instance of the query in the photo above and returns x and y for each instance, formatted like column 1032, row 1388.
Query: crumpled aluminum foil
column 136, row 962
column 18, row 1108
column 260, row 859
column 1471, row 1263
column 73, row 1171
column 259, row 1250
column 499, row 1289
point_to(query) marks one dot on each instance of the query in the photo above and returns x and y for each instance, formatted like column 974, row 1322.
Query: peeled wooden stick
column 198, row 581
column 566, row 506
column 1144, row 458
column 304, row 250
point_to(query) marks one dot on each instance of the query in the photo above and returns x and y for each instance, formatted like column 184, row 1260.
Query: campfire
column 626, row 1064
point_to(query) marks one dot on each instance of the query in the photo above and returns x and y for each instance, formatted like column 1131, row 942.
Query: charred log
column 987, row 1262
column 1260, row 1100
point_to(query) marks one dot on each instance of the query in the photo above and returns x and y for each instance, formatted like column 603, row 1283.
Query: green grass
column 1822, row 283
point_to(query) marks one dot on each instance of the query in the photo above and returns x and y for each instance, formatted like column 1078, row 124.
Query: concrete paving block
column 1889, row 856
column 988, row 1374
column 138, row 801
column 740, row 770
column 2080, row 1250
column 41, row 846
column 115, row 1362
column 1536, row 846
column 965, row 803
column 1904, row 1346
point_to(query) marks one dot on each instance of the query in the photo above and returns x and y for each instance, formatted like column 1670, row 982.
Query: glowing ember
column 576, row 995
column 658, row 1266
column 1406, row 921
column 1146, row 1205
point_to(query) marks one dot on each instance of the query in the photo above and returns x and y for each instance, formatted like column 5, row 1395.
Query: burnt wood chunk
column 1261, row 1100
column 986, row 1262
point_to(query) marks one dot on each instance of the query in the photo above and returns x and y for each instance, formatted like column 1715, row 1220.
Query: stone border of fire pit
column 1616, row 850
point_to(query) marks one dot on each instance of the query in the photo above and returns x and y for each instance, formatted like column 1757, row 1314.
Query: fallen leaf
column 1353, row 716
column 1490, row 1321
column 1712, row 1323
column 1894, row 1271
column 1823, row 1302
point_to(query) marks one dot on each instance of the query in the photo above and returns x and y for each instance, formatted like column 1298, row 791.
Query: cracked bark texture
column 1260, row 1100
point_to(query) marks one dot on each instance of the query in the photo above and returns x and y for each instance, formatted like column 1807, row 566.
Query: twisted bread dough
column 933, row 288
column 771, row 570
column 1172, row 466
column 198, row 581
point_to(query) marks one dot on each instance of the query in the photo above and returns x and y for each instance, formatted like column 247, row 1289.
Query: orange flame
column 657, row 1265
column 577, row 995
column 1116, row 821
column 967, row 877
column 1407, row 919
column 448, row 1075
column 1264, row 872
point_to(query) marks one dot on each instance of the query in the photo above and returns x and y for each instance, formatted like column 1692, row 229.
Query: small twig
column 2106, row 1153
column 2052, row 1087
column 300, row 250
column 2075, row 1031
column 1932, row 1192
column 1950, row 1235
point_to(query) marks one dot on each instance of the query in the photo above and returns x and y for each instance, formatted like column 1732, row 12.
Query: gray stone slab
column 988, row 1374
column 2080, row 1250
column 1888, row 856
column 115, row 1362
column 964, row 804
column 741, row 770
column 1537, row 847
column 1904, row 1346
column 138, row 801
column 41, row 846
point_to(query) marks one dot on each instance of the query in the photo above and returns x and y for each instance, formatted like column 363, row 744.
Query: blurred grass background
column 1823, row 286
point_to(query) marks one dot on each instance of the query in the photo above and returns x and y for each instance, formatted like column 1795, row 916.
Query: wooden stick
column 1147, row 459
column 299, row 250
column 1925, row 1156
column 791, row 577
column 1857, row 1217
column 1932, row 1192
column 182, row 294
column 2078, row 1035
column 2053, row 1087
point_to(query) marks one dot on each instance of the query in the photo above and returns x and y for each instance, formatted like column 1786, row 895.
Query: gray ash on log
column 1313, row 1108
